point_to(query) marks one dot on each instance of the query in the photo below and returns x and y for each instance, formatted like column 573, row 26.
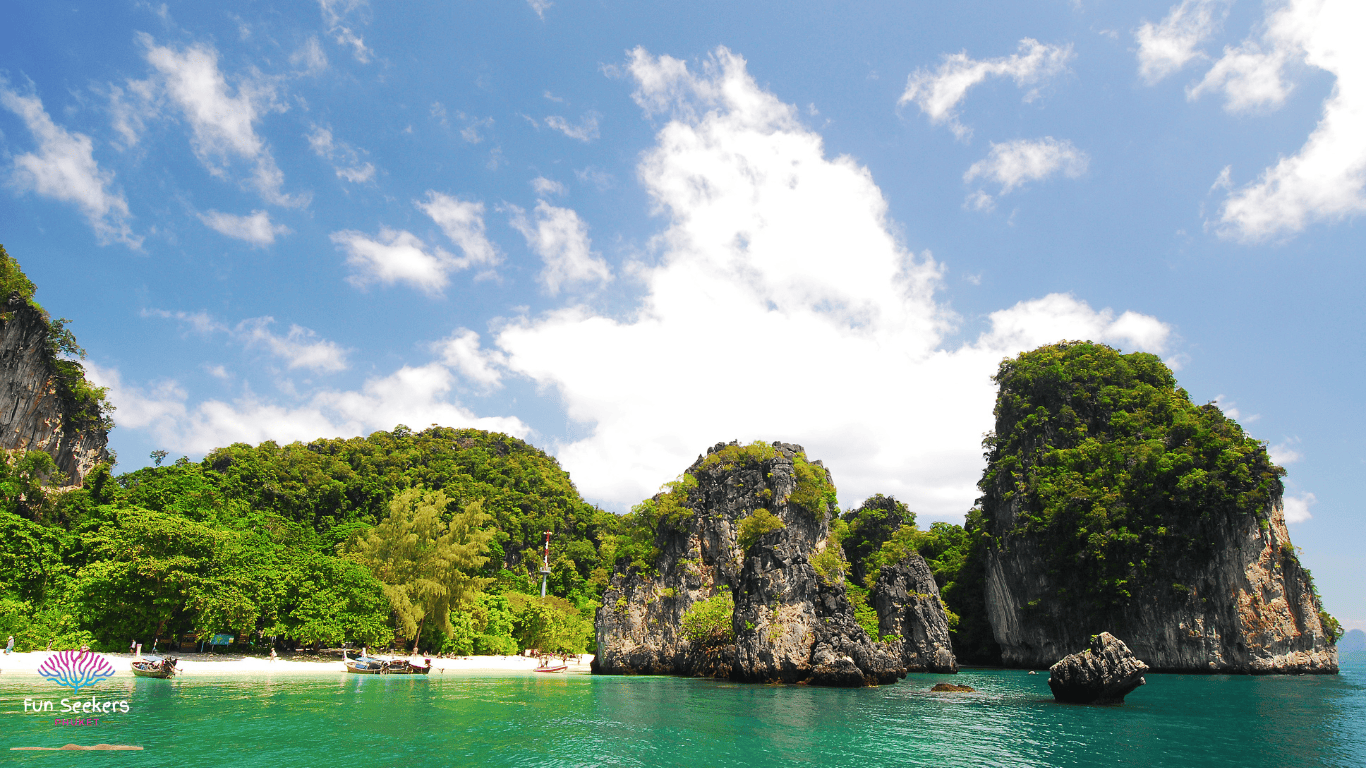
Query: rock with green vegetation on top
column 751, row 523
column 1111, row 501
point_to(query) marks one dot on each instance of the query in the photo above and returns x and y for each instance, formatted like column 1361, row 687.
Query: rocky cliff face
column 791, row 622
column 33, row 414
column 908, row 608
column 1246, row 608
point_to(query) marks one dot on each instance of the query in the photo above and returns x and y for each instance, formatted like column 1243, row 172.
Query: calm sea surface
column 1174, row 720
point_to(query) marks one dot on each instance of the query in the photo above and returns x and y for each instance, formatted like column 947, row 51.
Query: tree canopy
column 1111, row 467
column 425, row 563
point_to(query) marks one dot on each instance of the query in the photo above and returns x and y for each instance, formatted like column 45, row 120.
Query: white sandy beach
column 216, row 664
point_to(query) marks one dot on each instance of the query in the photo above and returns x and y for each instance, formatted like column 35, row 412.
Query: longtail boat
column 155, row 666
column 368, row 665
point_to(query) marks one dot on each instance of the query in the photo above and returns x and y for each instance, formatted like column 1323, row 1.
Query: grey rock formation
column 908, row 607
column 33, row 416
column 1102, row 674
column 789, row 624
column 1247, row 608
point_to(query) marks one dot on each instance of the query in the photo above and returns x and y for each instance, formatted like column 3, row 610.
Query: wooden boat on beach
column 154, row 666
column 555, row 668
column 367, row 665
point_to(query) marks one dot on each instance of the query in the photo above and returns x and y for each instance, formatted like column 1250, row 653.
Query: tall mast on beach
column 545, row 564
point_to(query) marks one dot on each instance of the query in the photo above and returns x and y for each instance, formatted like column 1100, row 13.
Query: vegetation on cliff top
column 671, row 508
column 882, row 531
column 1108, row 465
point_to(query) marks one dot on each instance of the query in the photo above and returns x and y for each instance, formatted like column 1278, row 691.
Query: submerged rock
column 1103, row 674
column 951, row 688
column 751, row 523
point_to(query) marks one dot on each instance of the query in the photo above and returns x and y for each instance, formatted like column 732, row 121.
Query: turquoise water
column 537, row 720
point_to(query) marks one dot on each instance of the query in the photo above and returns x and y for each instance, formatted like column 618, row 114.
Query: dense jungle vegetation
column 306, row 544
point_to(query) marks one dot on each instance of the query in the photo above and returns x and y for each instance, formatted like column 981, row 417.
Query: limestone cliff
column 1112, row 503
column 1247, row 608
column 792, row 621
column 37, row 409
column 909, row 609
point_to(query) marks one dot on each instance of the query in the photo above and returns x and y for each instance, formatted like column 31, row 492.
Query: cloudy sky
column 625, row 231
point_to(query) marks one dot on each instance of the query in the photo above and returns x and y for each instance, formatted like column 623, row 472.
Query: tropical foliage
column 1114, row 471
column 431, row 538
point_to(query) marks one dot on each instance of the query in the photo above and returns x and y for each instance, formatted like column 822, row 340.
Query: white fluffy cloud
column 560, row 238
column 1297, row 507
column 254, row 228
column 345, row 159
column 1284, row 452
column 1164, row 48
column 1326, row 179
column 781, row 306
column 222, row 118
column 462, row 352
column 939, row 92
column 64, row 168
column 415, row 396
column 463, row 222
column 1014, row 163
column 395, row 256
column 399, row 256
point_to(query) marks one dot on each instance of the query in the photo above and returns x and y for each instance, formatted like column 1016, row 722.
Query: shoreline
column 219, row 664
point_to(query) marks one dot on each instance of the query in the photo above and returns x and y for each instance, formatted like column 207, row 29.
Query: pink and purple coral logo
column 76, row 669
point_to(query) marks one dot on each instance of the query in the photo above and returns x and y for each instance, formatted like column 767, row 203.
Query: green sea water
column 557, row 720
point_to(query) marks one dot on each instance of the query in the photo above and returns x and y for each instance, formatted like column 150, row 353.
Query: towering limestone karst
column 732, row 572
column 1112, row 503
column 46, row 404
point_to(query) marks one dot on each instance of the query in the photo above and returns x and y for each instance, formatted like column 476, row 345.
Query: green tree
column 425, row 563
column 549, row 624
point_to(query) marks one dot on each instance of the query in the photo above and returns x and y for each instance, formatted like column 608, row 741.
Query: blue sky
column 626, row 231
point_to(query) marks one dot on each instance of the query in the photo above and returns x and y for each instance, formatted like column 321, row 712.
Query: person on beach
column 273, row 656
column 9, row 647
